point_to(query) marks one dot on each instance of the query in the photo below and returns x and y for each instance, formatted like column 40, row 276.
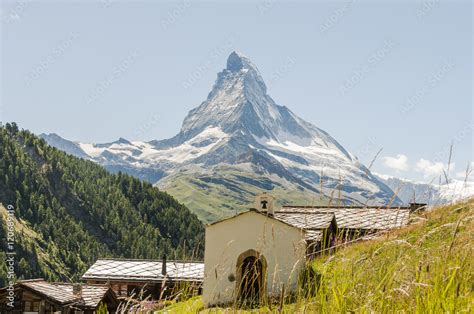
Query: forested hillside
column 69, row 212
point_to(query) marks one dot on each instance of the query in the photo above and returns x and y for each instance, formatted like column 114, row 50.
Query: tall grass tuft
column 426, row 267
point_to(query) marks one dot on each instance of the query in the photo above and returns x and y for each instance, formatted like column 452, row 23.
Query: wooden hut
column 39, row 296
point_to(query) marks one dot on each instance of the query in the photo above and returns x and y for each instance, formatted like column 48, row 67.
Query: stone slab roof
column 91, row 295
column 357, row 218
column 51, row 291
column 312, row 223
column 62, row 293
column 144, row 270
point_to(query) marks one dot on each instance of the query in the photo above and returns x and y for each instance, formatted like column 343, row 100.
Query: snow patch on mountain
column 91, row 150
column 456, row 190
column 197, row 146
column 431, row 193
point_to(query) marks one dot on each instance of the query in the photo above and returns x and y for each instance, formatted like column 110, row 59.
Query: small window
column 31, row 306
column 27, row 306
column 35, row 306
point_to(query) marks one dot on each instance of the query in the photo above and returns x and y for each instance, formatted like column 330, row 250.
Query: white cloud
column 399, row 163
column 432, row 168
column 462, row 174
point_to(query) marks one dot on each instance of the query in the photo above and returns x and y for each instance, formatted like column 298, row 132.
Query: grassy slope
column 426, row 267
column 212, row 201
column 29, row 240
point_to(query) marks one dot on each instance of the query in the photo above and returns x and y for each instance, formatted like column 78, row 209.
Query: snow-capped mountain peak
column 239, row 103
column 240, row 126
column 237, row 61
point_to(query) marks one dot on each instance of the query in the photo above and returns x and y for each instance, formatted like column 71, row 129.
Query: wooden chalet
column 39, row 296
column 155, row 279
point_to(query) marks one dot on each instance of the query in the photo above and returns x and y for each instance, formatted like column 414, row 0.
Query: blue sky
column 392, row 75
